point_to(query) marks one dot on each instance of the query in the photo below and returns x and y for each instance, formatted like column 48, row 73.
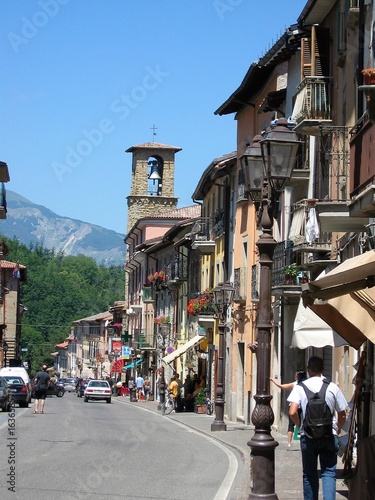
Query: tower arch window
column 155, row 176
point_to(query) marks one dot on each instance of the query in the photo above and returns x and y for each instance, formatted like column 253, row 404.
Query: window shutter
column 315, row 53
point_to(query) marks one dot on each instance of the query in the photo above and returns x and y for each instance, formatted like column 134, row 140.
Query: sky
column 84, row 80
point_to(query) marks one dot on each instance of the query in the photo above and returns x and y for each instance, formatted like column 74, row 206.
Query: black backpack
column 318, row 416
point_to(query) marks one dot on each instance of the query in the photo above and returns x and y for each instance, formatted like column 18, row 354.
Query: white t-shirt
column 334, row 398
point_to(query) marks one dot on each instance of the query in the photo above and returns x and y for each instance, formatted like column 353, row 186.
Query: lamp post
column 163, row 333
column 223, row 295
column 277, row 151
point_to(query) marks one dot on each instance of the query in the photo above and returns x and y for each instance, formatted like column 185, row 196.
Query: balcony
column 177, row 271
column 205, row 231
column 201, row 237
column 306, row 235
column 312, row 108
column 240, row 284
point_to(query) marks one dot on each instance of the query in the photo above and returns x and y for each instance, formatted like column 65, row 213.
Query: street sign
column 125, row 352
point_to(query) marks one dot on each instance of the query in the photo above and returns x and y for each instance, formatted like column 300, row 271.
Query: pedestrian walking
column 42, row 380
column 139, row 381
column 325, row 395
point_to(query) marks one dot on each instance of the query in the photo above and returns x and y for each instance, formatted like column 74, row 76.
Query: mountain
column 31, row 223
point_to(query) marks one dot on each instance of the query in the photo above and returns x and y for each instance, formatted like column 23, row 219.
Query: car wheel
column 85, row 399
column 60, row 394
column 4, row 408
column 23, row 404
column 108, row 400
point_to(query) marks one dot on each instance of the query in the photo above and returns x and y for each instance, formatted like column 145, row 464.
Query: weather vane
column 153, row 128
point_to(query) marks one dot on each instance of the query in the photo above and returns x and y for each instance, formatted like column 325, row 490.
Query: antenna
column 153, row 128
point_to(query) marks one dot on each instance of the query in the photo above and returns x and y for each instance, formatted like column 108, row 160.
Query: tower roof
column 152, row 145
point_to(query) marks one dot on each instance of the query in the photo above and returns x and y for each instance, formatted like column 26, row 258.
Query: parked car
column 54, row 389
column 20, row 390
column 98, row 390
column 69, row 384
column 5, row 395
column 81, row 386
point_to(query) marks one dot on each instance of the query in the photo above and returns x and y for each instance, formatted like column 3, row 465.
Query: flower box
column 200, row 409
column 369, row 76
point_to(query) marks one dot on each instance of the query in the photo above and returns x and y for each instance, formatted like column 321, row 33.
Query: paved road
column 92, row 450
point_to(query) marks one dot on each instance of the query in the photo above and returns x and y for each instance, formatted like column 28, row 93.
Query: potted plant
column 290, row 272
column 200, row 402
column 369, row 76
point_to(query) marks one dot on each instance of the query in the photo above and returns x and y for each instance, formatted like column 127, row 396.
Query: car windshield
column 98, row 383
column 14, row 380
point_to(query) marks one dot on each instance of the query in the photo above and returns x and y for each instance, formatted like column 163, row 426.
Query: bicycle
column 168, row 406
column 209, row 406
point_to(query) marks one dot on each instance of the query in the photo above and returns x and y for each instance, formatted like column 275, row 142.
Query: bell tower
column 152, row 186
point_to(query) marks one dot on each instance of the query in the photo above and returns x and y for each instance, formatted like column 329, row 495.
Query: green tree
column 59, row 290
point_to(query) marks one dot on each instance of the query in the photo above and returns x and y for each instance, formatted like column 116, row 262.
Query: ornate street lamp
column 163, row 332
column 223, row 296
column 133, row 389
column 279, row 150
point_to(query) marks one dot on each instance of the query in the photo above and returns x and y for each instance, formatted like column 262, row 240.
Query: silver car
column 97, row 389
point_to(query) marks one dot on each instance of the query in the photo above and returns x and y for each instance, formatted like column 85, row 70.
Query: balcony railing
column 300, row 236
column 202, row 236
column 177, row 270
column 240, row 284
column 313, row 103
column 255, row 283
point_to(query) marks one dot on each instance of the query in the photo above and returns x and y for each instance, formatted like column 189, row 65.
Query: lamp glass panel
column 228, row 290
column 281, row 161
column 253, row 169
column 219, row 295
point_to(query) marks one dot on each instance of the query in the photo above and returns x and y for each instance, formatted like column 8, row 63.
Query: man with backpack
column 318, row 399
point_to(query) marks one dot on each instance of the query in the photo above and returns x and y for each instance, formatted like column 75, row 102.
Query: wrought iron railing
column 313, row 99
column 254, row 283
column 208, row 228
column 240, row 283
column 177, row 270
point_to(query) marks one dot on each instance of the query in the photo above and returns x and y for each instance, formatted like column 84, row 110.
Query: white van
column 18, row 371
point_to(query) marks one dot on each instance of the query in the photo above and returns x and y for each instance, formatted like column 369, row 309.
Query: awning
column 128, row 367
column 353, row 274
column 182, row 349
column 344, row 301
column 117, row 366
column 310, row 330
